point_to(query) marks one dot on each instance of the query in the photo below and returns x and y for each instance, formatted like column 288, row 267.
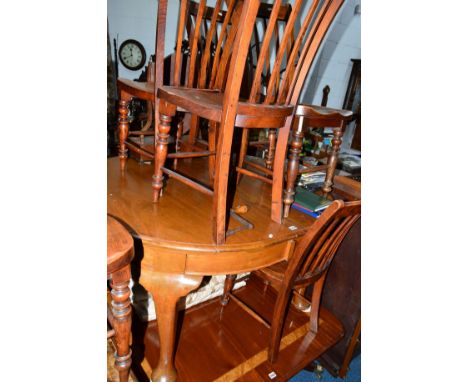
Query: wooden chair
column 308, row 265
column 196, row 63
column 224, row 107
column 216, row 106
column 316, row 117
column 260, row 29
column 129, row 89
column 119, row 256
column 205, row 29
column 290, row 69
column 312, row 32
column 210, row 32
column 263, row 17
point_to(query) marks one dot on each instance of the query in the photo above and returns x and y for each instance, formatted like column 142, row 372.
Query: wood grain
column 237, row 342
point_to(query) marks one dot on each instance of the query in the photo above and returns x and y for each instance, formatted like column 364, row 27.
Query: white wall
column 333, row 65
column 137, row 19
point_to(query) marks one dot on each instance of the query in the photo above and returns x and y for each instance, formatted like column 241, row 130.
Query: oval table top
column 182, row 217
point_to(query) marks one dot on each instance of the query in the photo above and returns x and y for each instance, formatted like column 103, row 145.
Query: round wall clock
column 132, row 54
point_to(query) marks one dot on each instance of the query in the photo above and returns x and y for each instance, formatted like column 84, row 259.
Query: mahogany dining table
column 177, row 247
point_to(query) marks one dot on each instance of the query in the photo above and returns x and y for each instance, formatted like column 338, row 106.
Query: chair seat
column 323, row 113
column 274, row 274
column 323, row 110
column 119, row 246
column 209, row 104
column 143, row 90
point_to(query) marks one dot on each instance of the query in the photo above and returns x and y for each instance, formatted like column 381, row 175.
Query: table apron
column 198, row 262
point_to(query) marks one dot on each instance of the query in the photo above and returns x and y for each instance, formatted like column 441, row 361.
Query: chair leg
column 293, row 165
column 180, row 130
column 243, row 151
column 123, row 129
column 270, row 157
column 228, row 285
column 266, row 284
column 277, row 191
column 276, row 329
column 299, row 301
column 333, row 159
column 122, row 321
column 212, row 126
column 315, row 303
column 194, row 129
column 160, row 155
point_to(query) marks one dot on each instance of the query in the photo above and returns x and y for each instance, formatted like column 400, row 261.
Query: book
column 310, row 203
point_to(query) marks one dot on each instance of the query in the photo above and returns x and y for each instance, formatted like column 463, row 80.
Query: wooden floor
column 227, row 344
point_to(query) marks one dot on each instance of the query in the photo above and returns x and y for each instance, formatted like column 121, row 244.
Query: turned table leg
column 122, row 320
column 293, row 165
column 167, row 289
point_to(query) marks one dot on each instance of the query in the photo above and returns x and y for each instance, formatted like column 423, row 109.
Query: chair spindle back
column 310, row 261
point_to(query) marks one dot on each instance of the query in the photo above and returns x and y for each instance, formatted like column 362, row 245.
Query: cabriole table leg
column 167, row 289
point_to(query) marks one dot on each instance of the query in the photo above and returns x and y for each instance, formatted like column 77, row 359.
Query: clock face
column 132, row 54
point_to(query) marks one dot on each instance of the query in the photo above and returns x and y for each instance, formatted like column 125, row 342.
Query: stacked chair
column 243, row 65
column 222, row 106
column 315, row 117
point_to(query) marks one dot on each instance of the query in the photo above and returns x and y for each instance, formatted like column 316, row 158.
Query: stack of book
column 312, row 178
column 310, row 203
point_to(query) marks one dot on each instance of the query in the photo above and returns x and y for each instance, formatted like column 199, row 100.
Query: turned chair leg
column 293, row 165
column 333, row 159
column 160, row 155
column 122, row 321
column 123, row 129
column 270, row 157
column 180, row 130
column 228, row 285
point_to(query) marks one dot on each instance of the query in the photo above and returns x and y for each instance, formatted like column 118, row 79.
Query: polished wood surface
column 225, row 343
column 119, row 256
column 119, row 246
column 176, row 244
column 209, row 104
column 175, row 247
column 181, row 219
